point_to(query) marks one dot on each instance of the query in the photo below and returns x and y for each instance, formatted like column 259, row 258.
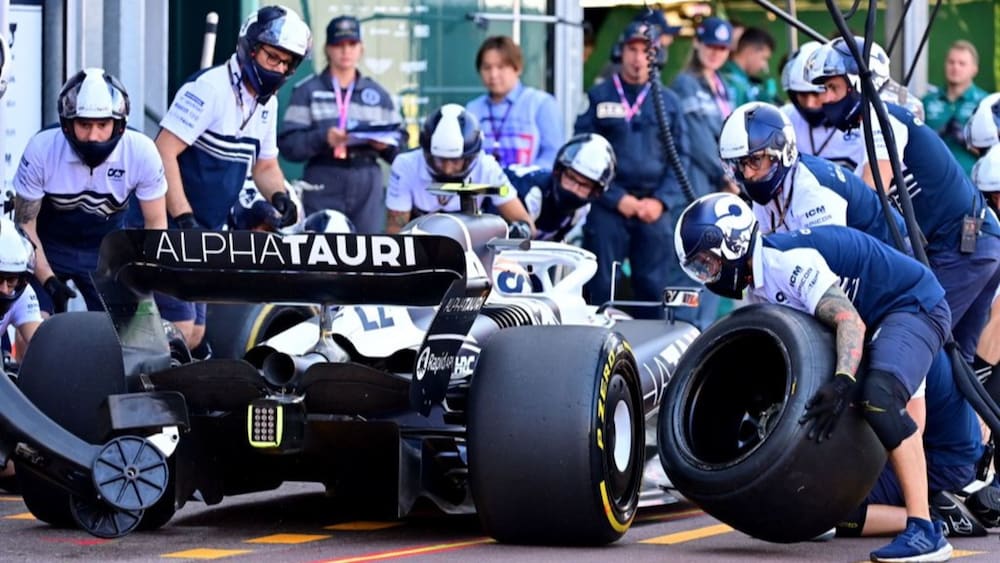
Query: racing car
column 417, row 379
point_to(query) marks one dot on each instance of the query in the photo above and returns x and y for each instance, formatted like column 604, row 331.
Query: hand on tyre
column 826, row 406
column 285, row 206
column 60, row 293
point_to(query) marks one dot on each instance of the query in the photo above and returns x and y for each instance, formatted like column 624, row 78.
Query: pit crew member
column 856, row 285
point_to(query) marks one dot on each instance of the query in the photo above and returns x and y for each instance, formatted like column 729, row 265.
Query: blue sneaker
column 921, row 541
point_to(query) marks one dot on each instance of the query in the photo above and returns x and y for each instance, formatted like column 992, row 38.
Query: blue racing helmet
column 756, row 128
column 835, row 59
column 713, row 240
column 278, row 27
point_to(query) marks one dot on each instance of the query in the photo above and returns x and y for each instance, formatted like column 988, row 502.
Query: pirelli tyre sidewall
column 556, row 436
column 729, row 435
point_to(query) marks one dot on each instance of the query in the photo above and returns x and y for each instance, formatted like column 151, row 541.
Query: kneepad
column 884, row 406
column 853, row 524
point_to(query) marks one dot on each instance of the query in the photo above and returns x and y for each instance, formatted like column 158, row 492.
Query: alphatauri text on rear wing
column 245, row 266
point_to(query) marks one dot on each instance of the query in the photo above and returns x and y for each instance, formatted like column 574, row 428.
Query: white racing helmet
column 981, row 131
column 17, row 259
column 986, row 171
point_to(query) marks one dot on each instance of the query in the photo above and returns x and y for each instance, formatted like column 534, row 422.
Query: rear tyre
column 74, row 362
column 556, row 439
column 233, row 329
column 729, row 433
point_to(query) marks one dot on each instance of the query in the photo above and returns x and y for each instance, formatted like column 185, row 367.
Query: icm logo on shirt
column 116, row 173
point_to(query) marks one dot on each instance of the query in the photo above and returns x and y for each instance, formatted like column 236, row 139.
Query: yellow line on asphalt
column 362, row 526
column 5, row 498
column 21, row 516
column 288, row 538
column 411, row 551
column 205, row 553
column 696, row 534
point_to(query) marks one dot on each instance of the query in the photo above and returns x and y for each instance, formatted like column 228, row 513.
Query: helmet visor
column 704, row 266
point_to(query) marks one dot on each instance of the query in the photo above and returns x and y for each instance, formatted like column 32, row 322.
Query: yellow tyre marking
column 205, row 553
column 21, row 516
column 5, row 498
column 696, row 534
column 362, row 526
column 255, row 330
column 288, row 538
column 412, row 551
column 620, row 527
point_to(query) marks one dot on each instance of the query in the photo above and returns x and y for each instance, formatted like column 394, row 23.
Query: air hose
column 662, row 121
column 965, row 379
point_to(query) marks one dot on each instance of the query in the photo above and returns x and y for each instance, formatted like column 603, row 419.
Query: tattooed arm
column 395, row 220
column 835, row 309
column 25, row 215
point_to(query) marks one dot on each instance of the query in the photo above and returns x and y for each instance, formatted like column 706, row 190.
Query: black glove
column 187, row 221
column 60, row 292
column 519, row 230
column 826, row 405
column 285, row 206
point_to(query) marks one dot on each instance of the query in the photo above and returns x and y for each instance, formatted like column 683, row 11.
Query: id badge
column 970, row 234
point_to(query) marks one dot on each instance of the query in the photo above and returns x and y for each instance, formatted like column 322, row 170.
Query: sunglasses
column 753, row 161
column 12, row 279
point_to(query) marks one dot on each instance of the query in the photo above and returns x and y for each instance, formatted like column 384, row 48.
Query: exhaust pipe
column 280, row 369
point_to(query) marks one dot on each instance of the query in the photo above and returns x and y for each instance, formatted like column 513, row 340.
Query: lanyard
column 812, row 141
column 343, row 101
column 721, row 96
column 235, row 80
column 496, row 129
column 630, row 110
column 788, row 202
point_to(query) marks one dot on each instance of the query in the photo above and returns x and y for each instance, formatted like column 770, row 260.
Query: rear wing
column 246, row 266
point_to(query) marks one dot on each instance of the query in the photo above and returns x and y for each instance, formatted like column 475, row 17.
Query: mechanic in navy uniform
column 953, row 447
column 558, row 199
column 632, row 220
column 74, row 182
column 451, row 151
column 18, row 302
column 791, row 191
column 963, row 238
column 815, row 135
column 853, row 283
column 323, row 113
column 220, row 133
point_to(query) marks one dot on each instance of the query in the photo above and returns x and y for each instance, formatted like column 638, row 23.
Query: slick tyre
column 556, row 436
column 233, row 329
column 729, row 435
column 73, row 363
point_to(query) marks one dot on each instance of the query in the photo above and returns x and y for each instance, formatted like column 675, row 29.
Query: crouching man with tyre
column 851, row 282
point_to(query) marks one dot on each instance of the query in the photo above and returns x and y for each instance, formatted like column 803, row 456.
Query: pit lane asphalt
column 297, row 523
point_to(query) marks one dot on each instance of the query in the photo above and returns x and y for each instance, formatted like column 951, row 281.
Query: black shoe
column 958, row 519
column 985, row 505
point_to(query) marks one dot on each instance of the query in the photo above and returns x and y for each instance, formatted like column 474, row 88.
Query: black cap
column 343, row 28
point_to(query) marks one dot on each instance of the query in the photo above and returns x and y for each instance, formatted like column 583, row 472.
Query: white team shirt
column 796, row 278
column 899, row 131
column 203, row 113
column 812, row 204
column 24, row 310
column 846, row 149
column 410, row 179
column 50, row 167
